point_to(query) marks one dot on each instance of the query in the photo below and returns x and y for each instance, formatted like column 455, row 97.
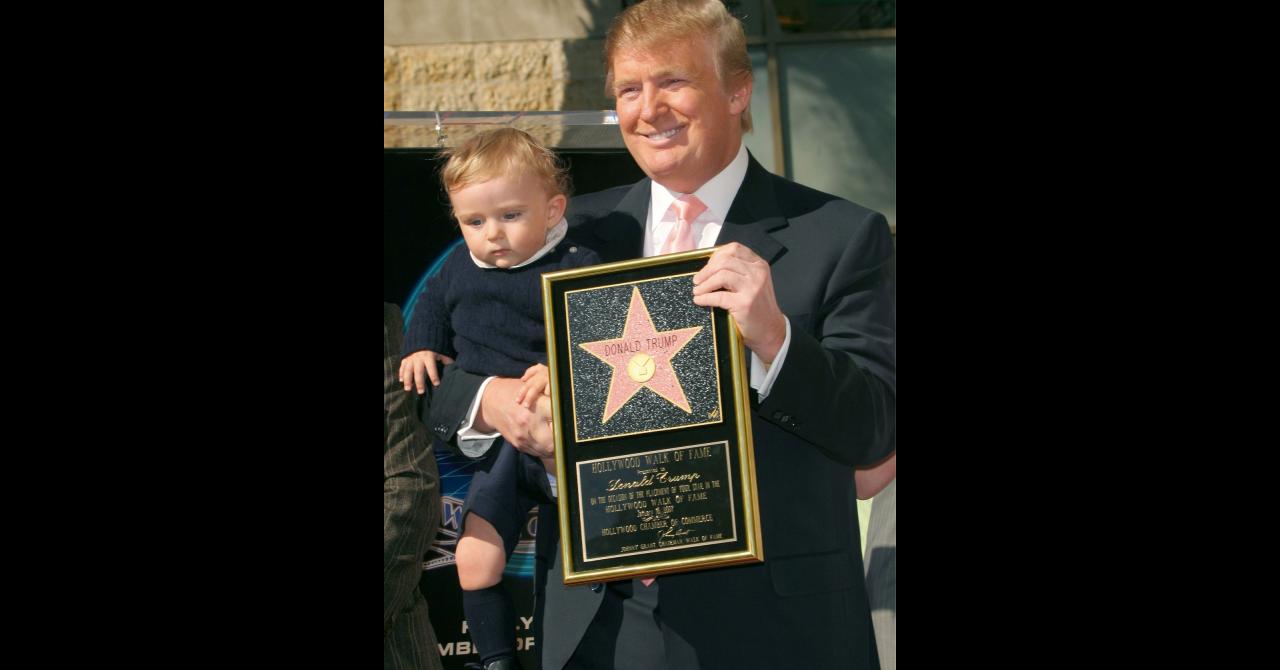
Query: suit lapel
column 619, row 235
column 754, row 214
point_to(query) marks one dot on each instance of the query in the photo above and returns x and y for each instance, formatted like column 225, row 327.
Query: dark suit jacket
column 410, row 514
column 832, row 406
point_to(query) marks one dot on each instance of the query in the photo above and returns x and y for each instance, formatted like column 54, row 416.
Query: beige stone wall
column 541, row 75
column 453, row 22
column 530, row 75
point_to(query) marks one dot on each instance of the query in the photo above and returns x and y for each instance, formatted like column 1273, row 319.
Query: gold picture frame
column 655, row 469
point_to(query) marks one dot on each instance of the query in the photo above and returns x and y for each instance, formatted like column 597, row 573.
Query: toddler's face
column 504, row 220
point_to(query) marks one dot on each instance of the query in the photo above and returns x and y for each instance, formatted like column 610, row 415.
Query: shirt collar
column 717, row 194
column 554, row 235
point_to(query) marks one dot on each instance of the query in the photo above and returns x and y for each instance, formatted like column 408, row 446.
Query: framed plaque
column 654, row 464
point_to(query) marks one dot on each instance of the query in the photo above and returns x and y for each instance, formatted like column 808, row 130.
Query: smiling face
column 677, row 118
column 504, row 220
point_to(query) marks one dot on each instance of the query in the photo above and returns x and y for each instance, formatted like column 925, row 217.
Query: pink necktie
column 687, row 207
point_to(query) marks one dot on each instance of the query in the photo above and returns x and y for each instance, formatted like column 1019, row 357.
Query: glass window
column 839, row 111
column 760, row 140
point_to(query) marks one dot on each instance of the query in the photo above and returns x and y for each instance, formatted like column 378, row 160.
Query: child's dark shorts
column 503, row 489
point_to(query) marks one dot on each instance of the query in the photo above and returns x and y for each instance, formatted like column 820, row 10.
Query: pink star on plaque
column 641, row 357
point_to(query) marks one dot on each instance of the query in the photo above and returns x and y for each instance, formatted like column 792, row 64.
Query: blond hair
column 504, row 151
column 652, row 24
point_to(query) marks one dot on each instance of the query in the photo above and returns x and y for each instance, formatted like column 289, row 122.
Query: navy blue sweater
column 489, row 319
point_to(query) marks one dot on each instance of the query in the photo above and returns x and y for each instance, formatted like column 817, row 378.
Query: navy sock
column 491, row 618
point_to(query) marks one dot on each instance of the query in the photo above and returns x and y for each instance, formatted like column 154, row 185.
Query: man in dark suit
column 808, row 277
column 410, row 514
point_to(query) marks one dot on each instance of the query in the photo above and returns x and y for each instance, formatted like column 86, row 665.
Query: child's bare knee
column 478, row 572
column 480, row 557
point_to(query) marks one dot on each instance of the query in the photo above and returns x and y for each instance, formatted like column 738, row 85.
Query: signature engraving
column 674, row 531
column 651, row 477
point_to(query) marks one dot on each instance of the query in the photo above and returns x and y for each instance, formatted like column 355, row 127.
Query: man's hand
column 528, row 431
column 419, row 365
column 543, row 445
column 737, row 280
column 536, row 381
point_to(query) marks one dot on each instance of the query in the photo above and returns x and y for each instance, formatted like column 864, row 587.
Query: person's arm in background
column 411, row 481
column 872, row 480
